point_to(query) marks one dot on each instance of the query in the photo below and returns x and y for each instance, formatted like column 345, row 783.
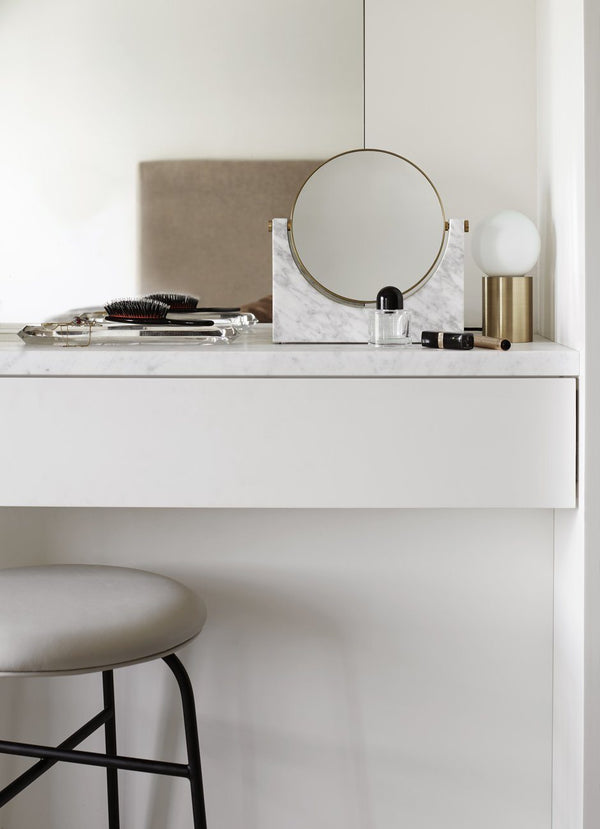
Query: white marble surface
column 302, row 314
column 255, row 355
column 439, row 304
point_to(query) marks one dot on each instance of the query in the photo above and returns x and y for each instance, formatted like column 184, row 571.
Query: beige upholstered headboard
column 203, row 225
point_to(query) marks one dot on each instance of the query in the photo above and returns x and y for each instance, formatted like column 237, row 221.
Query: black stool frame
column 111, row 760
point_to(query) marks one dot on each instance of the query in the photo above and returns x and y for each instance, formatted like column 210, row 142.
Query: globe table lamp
column 506, row 246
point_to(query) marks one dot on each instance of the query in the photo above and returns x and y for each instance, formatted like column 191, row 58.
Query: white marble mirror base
column 301, row 314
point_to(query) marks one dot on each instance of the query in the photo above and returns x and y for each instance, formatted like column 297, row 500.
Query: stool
column 73, row 619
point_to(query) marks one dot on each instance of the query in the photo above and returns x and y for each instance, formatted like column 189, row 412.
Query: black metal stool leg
column 110, row 733
column 191, row 739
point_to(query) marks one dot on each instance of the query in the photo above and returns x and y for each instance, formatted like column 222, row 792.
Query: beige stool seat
column 63, row 619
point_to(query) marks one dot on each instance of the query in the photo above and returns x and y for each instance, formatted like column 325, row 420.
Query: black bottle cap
column 390, row 299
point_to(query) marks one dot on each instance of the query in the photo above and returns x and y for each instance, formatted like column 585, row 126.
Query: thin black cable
column 364, row 76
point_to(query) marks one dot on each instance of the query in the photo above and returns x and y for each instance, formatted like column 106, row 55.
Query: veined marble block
column 301, row 314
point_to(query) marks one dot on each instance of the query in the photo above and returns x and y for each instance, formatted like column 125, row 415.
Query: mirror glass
column 365, row 219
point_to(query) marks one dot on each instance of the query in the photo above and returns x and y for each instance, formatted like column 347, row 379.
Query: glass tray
column 242, row 321
column 81, row 332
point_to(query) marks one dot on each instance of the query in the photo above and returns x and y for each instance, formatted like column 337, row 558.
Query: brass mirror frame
column 350, row 300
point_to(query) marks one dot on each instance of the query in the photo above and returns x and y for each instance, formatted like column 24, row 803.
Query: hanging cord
column 364, row 68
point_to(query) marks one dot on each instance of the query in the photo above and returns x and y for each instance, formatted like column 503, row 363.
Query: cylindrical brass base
column 508, row 308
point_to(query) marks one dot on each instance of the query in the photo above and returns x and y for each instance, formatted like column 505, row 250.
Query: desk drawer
column 212, row 442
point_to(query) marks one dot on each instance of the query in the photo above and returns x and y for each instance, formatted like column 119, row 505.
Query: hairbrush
column 186, row 304
column 146, row 311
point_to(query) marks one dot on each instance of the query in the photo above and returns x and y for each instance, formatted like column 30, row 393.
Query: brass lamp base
column 508, row 308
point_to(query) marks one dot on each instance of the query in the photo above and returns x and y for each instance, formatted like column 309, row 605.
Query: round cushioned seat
column 80, row 618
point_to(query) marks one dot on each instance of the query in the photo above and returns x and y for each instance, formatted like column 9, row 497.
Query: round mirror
column 365, row 219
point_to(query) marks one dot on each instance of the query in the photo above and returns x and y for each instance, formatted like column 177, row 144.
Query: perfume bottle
column 389, row 323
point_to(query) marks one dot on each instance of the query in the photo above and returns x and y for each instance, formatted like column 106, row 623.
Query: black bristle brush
column 146, row 311
column 186, row 304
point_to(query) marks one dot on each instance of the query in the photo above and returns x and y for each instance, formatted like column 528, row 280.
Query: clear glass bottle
column 389, row 323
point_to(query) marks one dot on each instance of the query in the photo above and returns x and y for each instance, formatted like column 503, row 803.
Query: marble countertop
column 254, row 355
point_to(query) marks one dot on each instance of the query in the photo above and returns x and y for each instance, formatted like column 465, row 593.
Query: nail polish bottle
column 389, row 323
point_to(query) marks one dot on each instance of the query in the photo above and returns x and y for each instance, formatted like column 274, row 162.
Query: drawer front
column 211, row 442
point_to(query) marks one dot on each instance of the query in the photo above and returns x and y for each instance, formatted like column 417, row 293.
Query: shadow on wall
column 544, row 303
column 271, row 723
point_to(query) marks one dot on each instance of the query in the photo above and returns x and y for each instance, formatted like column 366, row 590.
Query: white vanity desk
column 349, row 651
column 254, row 424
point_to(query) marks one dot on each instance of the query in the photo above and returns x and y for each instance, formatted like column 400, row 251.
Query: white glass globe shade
column 506, row 244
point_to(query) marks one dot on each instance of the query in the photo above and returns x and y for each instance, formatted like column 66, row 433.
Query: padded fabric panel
column 79, row 618
column 204, row 225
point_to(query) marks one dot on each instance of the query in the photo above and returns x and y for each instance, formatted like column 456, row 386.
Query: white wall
column 562, row 194
column 452, row 86
column 561, row 166
column 102, row 85
column 88, row 88
column 591, row 804
column 359, row 669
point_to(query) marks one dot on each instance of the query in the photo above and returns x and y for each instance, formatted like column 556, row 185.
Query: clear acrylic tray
column 241, row 321
column 81, row 332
